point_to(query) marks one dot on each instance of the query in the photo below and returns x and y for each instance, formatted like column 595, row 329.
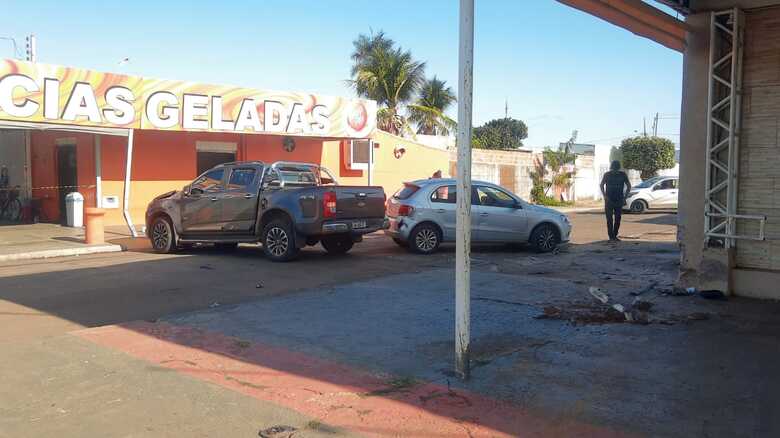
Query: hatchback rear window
column 406, row 191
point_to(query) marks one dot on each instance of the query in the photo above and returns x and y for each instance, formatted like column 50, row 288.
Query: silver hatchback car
column 422, row 216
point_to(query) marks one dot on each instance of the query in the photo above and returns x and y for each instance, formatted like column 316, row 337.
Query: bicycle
column 10, row 205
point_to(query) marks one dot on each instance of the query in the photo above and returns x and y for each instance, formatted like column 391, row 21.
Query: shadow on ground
column 707, row 376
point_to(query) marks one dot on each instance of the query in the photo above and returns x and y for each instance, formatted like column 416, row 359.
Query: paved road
column 54, row 381
column 48, row 297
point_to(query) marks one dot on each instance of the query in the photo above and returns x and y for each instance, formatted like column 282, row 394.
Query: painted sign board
column 41, row 93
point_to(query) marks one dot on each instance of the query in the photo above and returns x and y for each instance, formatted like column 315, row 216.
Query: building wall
column 693, row 138
column 509, row 169
column 418, row 162
column 757, row 270
column 43, row 148
column 759, row 182
column 167, row 160
column 586, row 179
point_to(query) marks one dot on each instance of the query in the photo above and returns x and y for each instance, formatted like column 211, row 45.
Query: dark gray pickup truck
column 284, row 206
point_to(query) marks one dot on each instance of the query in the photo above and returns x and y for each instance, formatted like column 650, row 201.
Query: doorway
column 67, row 175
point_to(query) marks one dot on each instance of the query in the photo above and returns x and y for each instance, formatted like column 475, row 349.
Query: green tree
column 647, row 154
column 387, row 74
column 506, row 133
column 428, row 112
column 615, row 154
column 557, row 161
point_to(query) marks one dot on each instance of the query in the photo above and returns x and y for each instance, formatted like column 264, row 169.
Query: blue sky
column 559, row 69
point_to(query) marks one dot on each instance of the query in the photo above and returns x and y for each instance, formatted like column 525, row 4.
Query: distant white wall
column 436, row 141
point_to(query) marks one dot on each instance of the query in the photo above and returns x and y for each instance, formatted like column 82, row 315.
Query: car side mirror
column 517, row 205
column 196, row 191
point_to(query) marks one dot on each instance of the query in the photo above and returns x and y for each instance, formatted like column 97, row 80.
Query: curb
column 49, row 253
column 577, row 209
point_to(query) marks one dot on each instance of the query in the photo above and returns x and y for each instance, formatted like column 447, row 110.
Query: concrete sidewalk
column 40, row 241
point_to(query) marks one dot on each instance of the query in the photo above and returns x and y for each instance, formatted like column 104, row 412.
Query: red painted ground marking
column 332, row 393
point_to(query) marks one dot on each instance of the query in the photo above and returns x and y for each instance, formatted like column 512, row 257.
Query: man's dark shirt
column 615, row 182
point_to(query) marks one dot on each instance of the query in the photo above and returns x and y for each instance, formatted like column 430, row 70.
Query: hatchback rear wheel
column 425, row 239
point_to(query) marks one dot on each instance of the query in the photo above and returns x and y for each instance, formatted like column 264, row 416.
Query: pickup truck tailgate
column 359, row 202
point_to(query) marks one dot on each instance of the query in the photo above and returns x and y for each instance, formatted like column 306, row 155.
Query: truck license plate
column 358, row 224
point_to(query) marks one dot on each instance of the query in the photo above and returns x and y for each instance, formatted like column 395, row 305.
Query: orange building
column 65, row 129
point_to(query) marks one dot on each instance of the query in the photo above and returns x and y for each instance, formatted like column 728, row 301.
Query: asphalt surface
column 49, row 297
column 380, row 309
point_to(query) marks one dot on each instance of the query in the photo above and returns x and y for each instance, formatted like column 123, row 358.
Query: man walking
column 614, row 187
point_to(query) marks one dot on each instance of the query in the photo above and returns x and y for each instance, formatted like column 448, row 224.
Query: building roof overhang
column 638, row 17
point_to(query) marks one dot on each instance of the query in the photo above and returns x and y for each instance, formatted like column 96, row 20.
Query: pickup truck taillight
column 405, row 210
column 329, row 204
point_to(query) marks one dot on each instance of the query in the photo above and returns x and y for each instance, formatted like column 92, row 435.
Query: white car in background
column 659, row 192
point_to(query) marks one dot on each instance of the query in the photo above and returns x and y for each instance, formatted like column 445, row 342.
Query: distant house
column 582, row 148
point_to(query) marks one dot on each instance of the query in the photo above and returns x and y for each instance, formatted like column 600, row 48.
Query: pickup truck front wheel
column 337, row 244
column 163, row 240
column 279, row 241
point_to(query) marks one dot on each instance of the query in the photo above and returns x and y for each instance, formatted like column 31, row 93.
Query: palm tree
column 365, row 45
column 388, row 75
column 428, row 113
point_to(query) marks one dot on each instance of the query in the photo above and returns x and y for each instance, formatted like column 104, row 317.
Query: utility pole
column 506, row 108
column 655, row 126
column 644, row 126
column 463, row 219
column 30, row 50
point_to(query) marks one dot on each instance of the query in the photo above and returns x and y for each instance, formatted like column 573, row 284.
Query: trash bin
column 74, row 209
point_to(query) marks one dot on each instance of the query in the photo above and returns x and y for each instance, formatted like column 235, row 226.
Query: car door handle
column 483, row 214
column 249, row 196
column 441, row 210
column 214, row 198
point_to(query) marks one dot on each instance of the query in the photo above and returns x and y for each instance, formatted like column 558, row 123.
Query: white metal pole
column 28, row 163
column 98, row 173
column 463, row 223
column 126, row 197
column 370, row 162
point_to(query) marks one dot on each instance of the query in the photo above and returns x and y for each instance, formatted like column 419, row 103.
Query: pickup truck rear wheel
column 279, row 241
column 337, row 244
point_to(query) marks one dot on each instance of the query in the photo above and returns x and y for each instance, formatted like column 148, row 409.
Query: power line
column 17, row 53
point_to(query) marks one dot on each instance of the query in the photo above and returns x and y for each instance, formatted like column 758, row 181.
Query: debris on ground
column 644, row 290
column 601, row 311
column 682, row 292
column 207, row 267
column 713, row 295
column 280, row 431
column 259, row 286
column 642, row 305
column 214, row 304
column 599, row 294
column 583, row 313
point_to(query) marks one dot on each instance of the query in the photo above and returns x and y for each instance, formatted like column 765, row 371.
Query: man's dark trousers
column 613, row 209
